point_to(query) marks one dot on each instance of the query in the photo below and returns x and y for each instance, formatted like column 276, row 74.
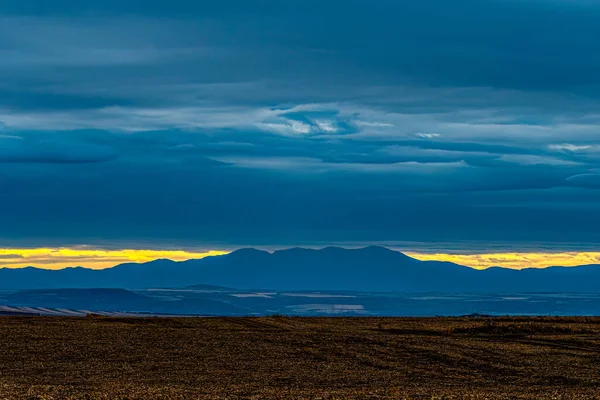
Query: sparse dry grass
column 309, row 358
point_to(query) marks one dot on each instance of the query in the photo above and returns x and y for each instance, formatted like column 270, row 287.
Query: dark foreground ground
column 312, row 358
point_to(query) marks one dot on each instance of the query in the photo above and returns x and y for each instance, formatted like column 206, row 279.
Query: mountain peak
column 381, row 252
column 295, row 250
column 379, row 249
column 248, row 252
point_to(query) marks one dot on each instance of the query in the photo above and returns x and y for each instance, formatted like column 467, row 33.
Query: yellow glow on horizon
column 514, row 260
column 94, row 258
column 58, row 258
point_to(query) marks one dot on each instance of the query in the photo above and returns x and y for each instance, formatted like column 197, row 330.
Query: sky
column 466, row 127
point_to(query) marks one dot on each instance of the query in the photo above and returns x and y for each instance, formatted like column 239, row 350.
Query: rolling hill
column 376, row 269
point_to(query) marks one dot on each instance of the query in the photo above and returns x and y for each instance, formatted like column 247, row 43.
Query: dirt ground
column 308, row 358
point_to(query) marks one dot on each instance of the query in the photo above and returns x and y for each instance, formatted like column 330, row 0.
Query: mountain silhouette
column 373, row 268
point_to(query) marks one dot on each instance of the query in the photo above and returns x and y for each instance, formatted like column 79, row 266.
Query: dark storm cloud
column 285, row 121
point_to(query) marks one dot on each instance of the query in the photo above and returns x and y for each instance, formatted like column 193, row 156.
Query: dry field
column 309, row 358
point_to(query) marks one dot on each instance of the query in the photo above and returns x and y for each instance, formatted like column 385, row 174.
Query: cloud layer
column 270, row 122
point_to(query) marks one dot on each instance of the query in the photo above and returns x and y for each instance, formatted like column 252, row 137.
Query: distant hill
column 372, row 268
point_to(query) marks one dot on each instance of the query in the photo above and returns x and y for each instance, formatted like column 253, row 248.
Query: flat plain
column 305, row 358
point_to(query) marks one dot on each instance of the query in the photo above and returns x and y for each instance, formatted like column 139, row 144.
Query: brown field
column 311, row 358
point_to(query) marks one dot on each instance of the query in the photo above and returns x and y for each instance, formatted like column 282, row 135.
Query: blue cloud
column 294, row 121
column 15, row 149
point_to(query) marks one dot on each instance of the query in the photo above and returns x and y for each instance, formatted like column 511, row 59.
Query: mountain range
column 369, row 269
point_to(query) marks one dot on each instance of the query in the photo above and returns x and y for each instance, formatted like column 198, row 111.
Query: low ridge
column 372, row 268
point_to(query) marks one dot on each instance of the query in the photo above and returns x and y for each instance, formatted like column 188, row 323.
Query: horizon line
column 97, row 259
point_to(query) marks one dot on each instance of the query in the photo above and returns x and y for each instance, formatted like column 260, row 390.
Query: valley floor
column 312, row 358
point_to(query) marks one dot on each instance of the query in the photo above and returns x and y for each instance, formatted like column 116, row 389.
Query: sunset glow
column 58, row 258
column 94, row 258
column 514, row 260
